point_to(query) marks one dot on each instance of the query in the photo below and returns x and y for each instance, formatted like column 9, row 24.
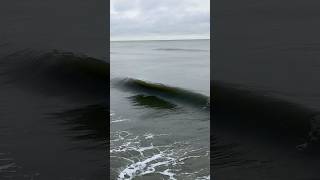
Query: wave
column 57, row 73
column 161, row 90
column 180, row 49
column 250, row 109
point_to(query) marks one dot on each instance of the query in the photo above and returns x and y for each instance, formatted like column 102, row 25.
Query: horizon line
column 133, row 40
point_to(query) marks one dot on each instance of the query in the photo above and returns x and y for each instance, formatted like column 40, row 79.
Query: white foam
column 142, row 157
column 149, row 136
column 188, row 157
column 203, row 178
column 119, row 120
column 138, row 168
column 169, row 174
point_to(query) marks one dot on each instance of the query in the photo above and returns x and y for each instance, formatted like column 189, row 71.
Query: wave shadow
column 151, row 102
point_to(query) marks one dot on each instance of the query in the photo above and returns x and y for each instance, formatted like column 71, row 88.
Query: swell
column 252, row 110
column 56, row 73
column 170, row 93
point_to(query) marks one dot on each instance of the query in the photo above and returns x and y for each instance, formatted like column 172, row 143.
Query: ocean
column 53, row 90
column 265, row 78
column 159, row 108
column 53, row 113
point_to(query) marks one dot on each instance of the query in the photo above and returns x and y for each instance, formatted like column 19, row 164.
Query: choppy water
column 160, row 131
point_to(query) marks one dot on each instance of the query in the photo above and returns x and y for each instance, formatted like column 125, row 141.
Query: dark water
column 53, row 104
column 53, row 112
column 160, row 110
column 266, row 89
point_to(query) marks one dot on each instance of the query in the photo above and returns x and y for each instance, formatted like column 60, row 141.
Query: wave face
column 57, row 73
column 160, row 90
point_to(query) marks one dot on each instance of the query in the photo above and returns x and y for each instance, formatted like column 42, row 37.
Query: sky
column 159, row 19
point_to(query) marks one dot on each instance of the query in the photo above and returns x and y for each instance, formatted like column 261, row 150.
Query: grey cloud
column 153, row 18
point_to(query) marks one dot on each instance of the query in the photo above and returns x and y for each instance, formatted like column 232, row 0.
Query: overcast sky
column 160, row 19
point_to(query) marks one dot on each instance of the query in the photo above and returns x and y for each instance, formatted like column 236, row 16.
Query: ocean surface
column 265, row 78
column 53, row 90
column 159, row 108
column 53, row 114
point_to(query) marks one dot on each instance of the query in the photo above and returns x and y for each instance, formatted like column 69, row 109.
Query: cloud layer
column 154, row 19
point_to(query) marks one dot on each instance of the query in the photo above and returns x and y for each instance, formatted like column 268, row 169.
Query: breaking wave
column 163, row 91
